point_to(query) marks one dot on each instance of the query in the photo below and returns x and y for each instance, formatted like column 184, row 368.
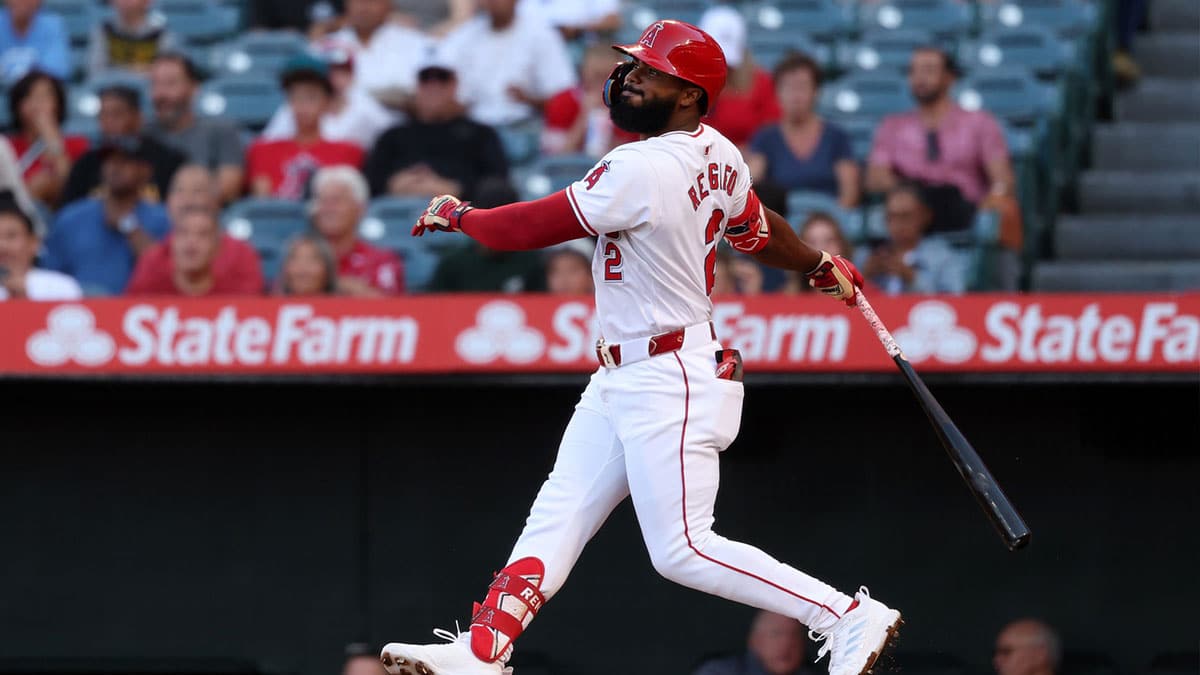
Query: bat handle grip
column 881, row 331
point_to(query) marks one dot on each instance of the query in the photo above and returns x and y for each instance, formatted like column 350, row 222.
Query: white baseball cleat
column 859, row 637
column 454, row 658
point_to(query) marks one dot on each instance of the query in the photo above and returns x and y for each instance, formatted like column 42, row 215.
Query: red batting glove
column 444, row 213
column 836, row 277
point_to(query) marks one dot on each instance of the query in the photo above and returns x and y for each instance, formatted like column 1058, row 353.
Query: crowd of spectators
column 411, row 98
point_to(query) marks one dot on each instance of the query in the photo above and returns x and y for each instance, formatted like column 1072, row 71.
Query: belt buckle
column 605, row 354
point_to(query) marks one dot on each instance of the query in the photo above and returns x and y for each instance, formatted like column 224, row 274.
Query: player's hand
column 443, row 213
column 836, row 277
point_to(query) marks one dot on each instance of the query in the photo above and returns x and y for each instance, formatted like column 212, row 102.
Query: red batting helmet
column 682, row 50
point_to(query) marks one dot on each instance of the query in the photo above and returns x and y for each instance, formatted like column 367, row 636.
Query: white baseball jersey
column 659, row 208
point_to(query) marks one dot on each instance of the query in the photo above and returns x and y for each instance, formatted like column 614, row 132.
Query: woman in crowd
column 803, row 151
column 308, row 267
column 38, row 104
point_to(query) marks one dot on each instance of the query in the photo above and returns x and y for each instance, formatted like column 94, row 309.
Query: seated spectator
column 386, row 54
column 32, row 39
column 909, row 261
column 97, row 240
column 569, row 268
column 575, row 19
column 38, row 105
column 504, row 81
column 1027, row 647
column 283, row 168
column 775, row 646
column 19, row 244
column 340, row 196
column 130, row 39
column 438, row 150
column 196, row 258
column 822, row 231
column 736, row 274
column 433, row 17
column 748, row 100
column 121, row 117
column 354, row 115
column 212, row 142
column 960, row 157
column 12, row 182
column 476, row 268
column 309, row 268
column 577, row 121
column 803, row 151
column 314, row 17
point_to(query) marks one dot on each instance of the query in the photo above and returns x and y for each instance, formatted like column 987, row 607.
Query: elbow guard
column 749, row 231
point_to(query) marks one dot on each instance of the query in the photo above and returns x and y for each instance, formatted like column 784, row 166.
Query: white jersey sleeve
column 619, row 193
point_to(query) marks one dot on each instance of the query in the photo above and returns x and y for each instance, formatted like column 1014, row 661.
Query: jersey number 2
column 612, row 262
column 710, row 235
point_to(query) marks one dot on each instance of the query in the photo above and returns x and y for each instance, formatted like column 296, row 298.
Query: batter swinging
column 660, row 409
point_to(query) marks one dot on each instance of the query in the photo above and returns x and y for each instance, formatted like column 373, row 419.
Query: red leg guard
column 512, row 601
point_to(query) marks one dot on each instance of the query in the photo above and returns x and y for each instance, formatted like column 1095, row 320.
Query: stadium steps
column 1158, row 99
column 1103, row 192
column 1175, row 55
column 1154, row 146
column 1136, row 237
column 1116, row 275
column 1172, row 16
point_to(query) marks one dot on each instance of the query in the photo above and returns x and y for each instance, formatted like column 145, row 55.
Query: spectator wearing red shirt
column 38, row 106
column 748, row 101
column 196, row 258
column 340, row 195
column 283, row 168
column 577, row 121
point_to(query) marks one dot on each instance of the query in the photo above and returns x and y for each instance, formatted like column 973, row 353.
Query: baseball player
column 658, row 411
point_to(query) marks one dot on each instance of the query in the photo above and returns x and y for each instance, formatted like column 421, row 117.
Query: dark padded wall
column 274, row 524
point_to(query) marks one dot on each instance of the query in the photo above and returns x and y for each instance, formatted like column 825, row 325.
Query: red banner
column 544, row 334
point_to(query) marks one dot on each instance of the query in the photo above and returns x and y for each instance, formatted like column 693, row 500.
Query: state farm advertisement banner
column 543, row 334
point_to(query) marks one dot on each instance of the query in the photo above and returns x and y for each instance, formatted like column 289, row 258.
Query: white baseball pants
column 653, row 429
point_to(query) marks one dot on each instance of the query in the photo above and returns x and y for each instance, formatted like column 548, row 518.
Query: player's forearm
column 785, row 250
column 525, row 225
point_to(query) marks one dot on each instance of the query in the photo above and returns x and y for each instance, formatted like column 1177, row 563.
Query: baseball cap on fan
column 305, row 68
column 728, row 27
column 435, row 68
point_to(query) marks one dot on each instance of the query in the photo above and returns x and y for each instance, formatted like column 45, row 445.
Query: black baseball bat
column 983, row 486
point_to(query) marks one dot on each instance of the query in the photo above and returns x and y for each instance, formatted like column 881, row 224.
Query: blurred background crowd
column 285, row 146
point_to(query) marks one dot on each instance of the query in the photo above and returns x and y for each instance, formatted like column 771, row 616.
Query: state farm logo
column 933, row 331
column 500, row 332
column 70, row 335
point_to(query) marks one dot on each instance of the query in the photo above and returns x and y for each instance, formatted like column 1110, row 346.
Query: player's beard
column 647, row 119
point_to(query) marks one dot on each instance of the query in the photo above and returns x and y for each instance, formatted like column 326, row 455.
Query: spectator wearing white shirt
column 574, row 18
column 386, row 54
column 509, row 64
column 354, row 115
column 19, row 244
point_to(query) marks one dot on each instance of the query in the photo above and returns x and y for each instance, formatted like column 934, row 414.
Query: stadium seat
column 267, row 224
column 802, row 203
column 259, row 53
column 821, row 20
column 521, row 141
column 944, row 18
column 554, row 173
column 5, row 113
column 78, row 15
column 1067, row 18
column 862, row 134
column 389, row 225
column 864, row 95
column 683, row 10
column 249, row 100
column 883, row 50
column 1010, row 93
column 768, row 48
column 83, row 100
column 1034, row 47
column 198, row 20
column 401, row 213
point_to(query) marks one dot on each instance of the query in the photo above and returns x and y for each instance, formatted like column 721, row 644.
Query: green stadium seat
column 249, row 100
column 1067, row 18
column 1010, row 93
column 861, row 94
column 267, row 224
column 78, row 15
column 260, row 52
column 944, row 18
column 887, row 51
column 769, row 48
column 821, row 20
column 521, row 141
column 802, row 203
column 389, row 224
column 553, row 173
column 1036, row 48
column 199, row 21
column 862, row 134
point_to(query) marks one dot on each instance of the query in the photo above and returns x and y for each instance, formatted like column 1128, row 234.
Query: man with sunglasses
column 666, row 399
